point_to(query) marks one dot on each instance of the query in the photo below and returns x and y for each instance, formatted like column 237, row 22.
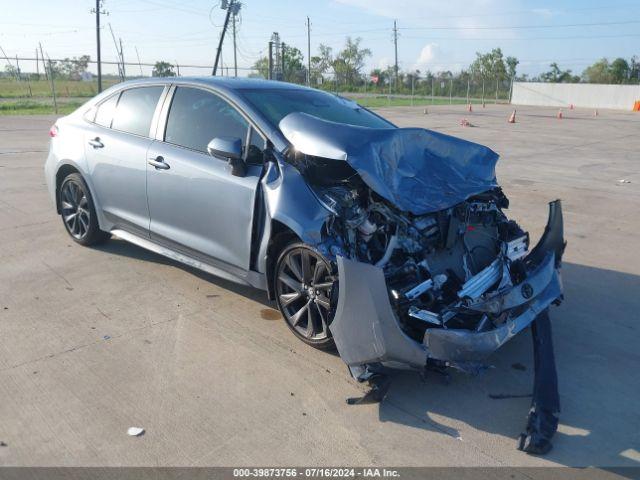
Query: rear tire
column 302, row 283
column 78, row 212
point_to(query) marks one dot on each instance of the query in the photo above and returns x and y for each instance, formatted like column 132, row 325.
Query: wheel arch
column 63, row 172
column 280, row 236
column 65, row 169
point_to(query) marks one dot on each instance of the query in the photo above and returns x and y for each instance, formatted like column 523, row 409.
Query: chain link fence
column 31, row 85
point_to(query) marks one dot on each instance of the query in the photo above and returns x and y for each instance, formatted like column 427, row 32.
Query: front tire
column 303, row 280
column 78, row 212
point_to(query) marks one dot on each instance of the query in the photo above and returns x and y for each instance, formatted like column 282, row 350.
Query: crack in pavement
column 85, row 345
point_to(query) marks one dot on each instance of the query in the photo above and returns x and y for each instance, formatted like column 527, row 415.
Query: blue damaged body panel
column 420, row 171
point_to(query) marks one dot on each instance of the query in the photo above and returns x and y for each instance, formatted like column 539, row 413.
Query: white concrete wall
column 620, row 97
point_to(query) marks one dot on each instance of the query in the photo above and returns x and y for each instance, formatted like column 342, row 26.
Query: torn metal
column 491, row 308
column 431, row 272
column 417, row 170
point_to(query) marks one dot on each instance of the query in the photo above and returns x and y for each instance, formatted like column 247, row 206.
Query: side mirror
column 229, row 149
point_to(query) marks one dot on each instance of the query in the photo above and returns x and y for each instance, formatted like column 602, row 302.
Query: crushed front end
column 451, row 287
column 431, row 272
column 447, row 290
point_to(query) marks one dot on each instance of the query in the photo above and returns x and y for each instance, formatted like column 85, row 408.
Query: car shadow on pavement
column 596, row 344
column 126, row 249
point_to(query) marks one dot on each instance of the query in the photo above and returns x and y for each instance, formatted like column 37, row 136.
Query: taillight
column 53, row 131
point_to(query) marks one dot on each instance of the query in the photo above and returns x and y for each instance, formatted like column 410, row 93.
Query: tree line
column 490, row 73
column 345, row 70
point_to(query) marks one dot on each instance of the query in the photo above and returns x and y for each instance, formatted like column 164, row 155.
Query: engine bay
column 437, row 266
column 430, row 272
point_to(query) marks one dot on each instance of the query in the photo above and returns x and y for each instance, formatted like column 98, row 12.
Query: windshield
column 277, row 103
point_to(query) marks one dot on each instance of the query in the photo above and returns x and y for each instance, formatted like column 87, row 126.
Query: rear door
column 116, row 149
column 196, row 206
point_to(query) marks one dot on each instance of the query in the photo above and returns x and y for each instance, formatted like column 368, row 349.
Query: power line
column 577, row 37
column 515, row 27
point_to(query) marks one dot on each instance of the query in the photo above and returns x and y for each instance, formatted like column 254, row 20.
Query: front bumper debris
column 366, row 329
column 460, row 346
column 367, row 332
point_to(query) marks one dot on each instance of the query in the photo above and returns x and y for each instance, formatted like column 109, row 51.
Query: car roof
column 231, row 87
column 221, row 83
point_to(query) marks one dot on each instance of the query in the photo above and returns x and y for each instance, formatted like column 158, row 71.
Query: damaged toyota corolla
column 388, row 243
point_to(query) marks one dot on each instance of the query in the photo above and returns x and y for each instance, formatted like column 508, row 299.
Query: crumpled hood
column 418, row 170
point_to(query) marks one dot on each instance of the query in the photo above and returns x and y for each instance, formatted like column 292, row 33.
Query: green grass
column 30, row 107
column 10, row 88
column 383, row 101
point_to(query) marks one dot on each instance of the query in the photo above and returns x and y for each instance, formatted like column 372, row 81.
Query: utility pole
column 395, row 44
column 139, row 62
column 4, row 54
column 432, row 92
column 282, row 61
column 98, row 10
column 235, row 54
column 276, row 63
column 53, row 86
column 115, row 44
column 270, row 75
column 232, row 7
column 37, row 65
column 308, row 52
column 46, row 74
column 511, row 89
column 124, row 75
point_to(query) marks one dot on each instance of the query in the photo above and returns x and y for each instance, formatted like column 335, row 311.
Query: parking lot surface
column 96, row 340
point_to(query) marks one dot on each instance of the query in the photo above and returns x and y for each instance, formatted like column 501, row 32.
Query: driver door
column 196, row 206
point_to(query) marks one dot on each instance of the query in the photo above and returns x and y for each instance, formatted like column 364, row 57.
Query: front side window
column 135, row 110
column 255, row 148
column 196, row 117
column 105, row 111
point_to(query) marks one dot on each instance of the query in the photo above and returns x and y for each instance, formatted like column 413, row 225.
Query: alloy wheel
column 75, row 209
column 303, row 286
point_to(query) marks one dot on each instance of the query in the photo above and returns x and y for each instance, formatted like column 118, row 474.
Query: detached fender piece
column 364, row 327
column 552, row 239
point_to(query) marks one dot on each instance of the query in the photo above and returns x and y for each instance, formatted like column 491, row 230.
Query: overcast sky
column 434, row 35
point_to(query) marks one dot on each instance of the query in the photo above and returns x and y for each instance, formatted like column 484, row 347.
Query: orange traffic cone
column 559, row 116
column 469, row 108
column 571, row 106
column 512, row 118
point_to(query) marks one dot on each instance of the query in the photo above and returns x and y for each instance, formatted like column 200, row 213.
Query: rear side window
column 135, row 110
column 196, row 117
column 105, row 111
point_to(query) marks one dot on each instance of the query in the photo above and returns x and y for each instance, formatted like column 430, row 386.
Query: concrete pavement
column 96, row 340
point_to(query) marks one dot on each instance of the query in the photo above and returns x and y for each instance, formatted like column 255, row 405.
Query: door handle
column 159, row 163
column 96, row 143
